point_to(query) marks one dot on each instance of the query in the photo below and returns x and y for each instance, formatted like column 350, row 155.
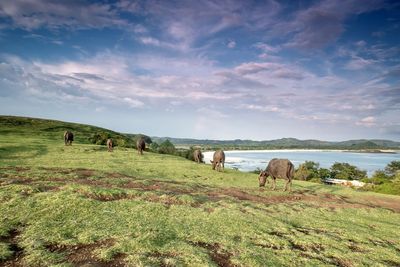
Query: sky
column 207, row 69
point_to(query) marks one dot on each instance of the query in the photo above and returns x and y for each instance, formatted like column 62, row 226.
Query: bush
column 393, row 168
column 346, row 171
column 99, row 138
column 379, row 177
column 166, row 147
column 307, row 171
column 154, row 147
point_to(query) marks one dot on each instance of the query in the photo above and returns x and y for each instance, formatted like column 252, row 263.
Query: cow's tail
column 290, row 171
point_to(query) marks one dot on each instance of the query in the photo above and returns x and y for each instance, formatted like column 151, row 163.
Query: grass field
column 81, row 205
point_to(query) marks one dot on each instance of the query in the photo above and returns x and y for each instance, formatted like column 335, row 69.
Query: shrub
column 166, row 147
column 154, row 147
column 99, row 138
column 393, row 168
column 346, row 171
column 307, row 171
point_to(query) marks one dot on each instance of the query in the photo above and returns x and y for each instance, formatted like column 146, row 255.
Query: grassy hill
column 53, row 130
column 81, row 205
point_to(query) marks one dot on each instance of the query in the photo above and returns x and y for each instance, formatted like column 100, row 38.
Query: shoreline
column 375, row 151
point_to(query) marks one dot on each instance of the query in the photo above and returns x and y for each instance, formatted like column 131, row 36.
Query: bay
column 249, row 160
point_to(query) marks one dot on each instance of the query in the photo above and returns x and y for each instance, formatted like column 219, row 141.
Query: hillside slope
column 81, row 205
column 54, row 130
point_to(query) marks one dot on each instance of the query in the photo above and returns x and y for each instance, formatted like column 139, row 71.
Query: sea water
column 250, row 160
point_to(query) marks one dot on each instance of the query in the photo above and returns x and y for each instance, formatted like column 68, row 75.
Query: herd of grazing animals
column 277, row 168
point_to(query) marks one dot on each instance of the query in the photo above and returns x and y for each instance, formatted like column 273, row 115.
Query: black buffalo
column 140, row 145
column 218, row 160
column 278, row 168
column 68, row 138
column 110, row 145
column 198, row 156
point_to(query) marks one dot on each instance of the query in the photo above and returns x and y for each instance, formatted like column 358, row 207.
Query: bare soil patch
column 82, row 254
column 15, row 260
column 216, row 253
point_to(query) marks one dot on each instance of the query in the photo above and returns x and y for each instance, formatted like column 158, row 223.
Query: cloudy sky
column 220, row 69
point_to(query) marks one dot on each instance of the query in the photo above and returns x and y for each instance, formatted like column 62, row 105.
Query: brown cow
column 218, row 160
column 68, row 138
column 140, row 145
column 110, row 145
column 198, row 156
column 281, row 168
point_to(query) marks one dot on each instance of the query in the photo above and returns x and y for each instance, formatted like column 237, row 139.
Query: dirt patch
column 15, row 259
column 85, row 173
column 269, row 246
column 14, row 168
column 341, row 262
column 219, row 256
column 353, row 247
column 382, row 202
column 392, row 263
column 242, row 195
column 82, row 254
column 161, row 256
column 278, row 234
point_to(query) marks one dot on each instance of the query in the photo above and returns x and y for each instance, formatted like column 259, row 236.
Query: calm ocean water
column 251, row 160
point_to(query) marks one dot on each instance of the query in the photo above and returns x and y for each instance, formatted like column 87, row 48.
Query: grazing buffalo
column 140, row 145
column 110, row 145
column 218, row 160
column 281, row 168
column 198, row 156
column 68, row 137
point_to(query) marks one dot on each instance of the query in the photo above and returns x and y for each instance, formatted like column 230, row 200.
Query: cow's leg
column 286, row 185
column 274, row 183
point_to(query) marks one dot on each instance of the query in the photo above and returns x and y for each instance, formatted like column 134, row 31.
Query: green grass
column 76, row 205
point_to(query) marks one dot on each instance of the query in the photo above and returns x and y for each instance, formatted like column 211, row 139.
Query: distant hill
column 283, row 143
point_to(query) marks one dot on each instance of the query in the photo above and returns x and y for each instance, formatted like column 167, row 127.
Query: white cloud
column 231, row 44
column 358, row 63
column 133, row 102
column 31, row 15
column 367, row 121
column 260, row 108
column 322, row 23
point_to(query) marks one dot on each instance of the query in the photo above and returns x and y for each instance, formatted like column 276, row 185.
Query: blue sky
column 259, row 70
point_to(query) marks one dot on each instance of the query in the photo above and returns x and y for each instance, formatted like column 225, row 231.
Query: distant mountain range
column 53, row 129
column 285, row 143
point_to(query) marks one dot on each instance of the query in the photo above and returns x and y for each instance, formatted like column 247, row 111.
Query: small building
column 349, row 183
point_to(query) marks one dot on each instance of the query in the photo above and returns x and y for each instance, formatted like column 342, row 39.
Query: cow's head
column 262, row 178
column 213, row 164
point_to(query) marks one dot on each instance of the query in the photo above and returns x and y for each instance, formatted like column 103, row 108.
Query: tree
column 99, row 138
column 166, row 147
column 302, row 173
column 154, row 147
column 307, row 171
column 324, row 173
column 393, row 168
column 146, row 138
column 379, row 177
column 346, row 171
